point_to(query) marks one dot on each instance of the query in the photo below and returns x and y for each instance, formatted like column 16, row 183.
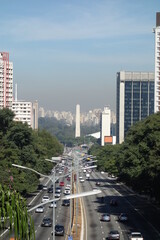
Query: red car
column 61, row 184
column 68, row 178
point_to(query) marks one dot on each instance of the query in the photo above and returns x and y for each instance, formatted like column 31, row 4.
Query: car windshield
column 136, row 235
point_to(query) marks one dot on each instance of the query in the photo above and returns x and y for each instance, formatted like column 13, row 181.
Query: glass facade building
column 135, row 100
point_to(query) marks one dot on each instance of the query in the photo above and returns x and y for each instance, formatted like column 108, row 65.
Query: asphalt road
column 143, row 216
column 62, row 215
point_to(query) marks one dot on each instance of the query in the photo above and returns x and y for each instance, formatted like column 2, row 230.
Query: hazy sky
column 68, row 51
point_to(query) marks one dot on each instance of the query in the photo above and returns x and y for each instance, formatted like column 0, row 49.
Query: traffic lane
column 105, row 208
column 137, row 219
column 94, row 230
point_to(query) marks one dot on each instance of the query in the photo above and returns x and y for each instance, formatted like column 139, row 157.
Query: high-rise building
column 77, row 130
column 6, row 81
column 135, row 100
column 41, row 112
column 157, row 64
column 105, row 127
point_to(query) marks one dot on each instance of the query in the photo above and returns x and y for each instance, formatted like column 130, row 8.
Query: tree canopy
column 137, row 160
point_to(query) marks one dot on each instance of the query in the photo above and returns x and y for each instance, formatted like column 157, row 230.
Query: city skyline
column 64, row 53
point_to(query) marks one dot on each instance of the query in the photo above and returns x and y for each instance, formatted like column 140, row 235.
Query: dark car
column 123, row 217
column 46, row 222
column 59, row 230
column 50, row 190
column 113, row 235
column 98, row 184
column 113, row 202
column 66, row 202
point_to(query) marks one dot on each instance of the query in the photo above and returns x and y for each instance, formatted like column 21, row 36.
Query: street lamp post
column 52, row 179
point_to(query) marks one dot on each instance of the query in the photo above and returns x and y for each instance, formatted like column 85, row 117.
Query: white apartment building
column 105, row 128
column 157, row 64
column 6, row 81
column 26, row 112
column 23, row 112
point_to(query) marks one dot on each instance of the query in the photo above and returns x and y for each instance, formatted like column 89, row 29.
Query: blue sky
column 67, row 52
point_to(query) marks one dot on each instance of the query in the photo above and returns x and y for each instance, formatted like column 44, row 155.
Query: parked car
column 123, row 217
column 45, row 198
column 39, row 209
column 66, row 202
column 106, row 217
column 82, row 180
column 114, row 234
column 46, row 222
column 59, row 230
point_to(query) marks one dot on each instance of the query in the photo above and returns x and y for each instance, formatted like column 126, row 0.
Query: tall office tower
column 135, row 100
column 6, row 81
column 77, row 131
column 105, row 127
column 157, row 64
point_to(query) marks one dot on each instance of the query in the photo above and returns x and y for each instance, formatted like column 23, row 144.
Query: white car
column 80, row 177
column 102, row 172
column 84, row 170
column 44, row 188
column 53, row 204
column 67, row 191
column 57, row 194
column 136, row 236
column 39, row 209
column 68, row 185
column 82, row 180
column 45, row 198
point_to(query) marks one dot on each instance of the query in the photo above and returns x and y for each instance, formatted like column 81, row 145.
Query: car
column 102, row 172
column 46, row 222
column 66, row 202
column 58, row 189
column 57, row 181
column 68, row 178
column 114, row 234
column 84, row 170
column 57, row 194
column 113, row 202
column 40, row 186
column 61, row 184
column 98, row 184
column 39, row 209
column 50, row 190
column 82, row 180
column 67, row 191
column 44, row 187
column 59, row 230
column 80, row 177
column 60, row 172
column 106, row 217
column 53, row 204
column 123, row 217
column 136, row 236
column 45, row 198
column 68, row 185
